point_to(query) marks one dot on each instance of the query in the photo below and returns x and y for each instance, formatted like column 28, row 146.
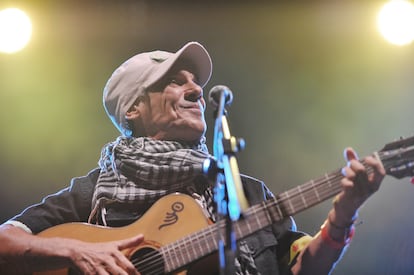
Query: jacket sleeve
column 282, row 235
column 72, row 204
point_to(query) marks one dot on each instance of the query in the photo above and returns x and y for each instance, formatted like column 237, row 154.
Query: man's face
column 174, row 108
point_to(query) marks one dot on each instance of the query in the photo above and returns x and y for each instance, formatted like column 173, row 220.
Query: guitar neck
column 288, row 203
column 305, row 196
column 205, row 242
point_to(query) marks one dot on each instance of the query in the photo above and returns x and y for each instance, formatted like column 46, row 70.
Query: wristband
column 326, row 237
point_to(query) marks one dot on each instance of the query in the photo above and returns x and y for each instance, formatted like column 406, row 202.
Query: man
column 155, row 99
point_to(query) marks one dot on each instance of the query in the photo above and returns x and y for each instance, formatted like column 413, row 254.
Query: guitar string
column 313, row 191
column 154, row 256
column 308, row 186
column 153, row 259
column 150, row 266
column 173, row 248
column 152, row 270
column 335, row 178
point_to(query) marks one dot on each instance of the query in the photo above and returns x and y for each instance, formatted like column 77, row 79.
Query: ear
column 133, row 112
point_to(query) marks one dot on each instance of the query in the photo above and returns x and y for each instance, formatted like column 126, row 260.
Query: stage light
column 396, row 22
column 15, row 30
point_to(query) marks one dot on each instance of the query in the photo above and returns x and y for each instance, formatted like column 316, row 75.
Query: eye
column 173, row 81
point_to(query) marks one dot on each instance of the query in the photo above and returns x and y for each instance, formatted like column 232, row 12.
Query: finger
column 122, row 260
column 131, row 242
column 347, row 183
column 361, row 177
column 85, row 267
column 350, row 154
column 353, row 166
column 115, row 269
column 348, row 172
column 356, row 166
column 353, row 169
column 125, row 263
column 376, row 164
column 101, row 270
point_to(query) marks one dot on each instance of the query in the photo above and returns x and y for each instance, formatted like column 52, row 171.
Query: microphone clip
column 233, row 145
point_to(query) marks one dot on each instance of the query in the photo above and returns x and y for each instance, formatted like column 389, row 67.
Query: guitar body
column 170, row 218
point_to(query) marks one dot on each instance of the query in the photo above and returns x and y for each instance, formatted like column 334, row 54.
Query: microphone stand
column 229, row 194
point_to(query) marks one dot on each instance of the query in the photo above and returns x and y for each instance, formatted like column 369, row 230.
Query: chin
column 186, row 132
column 192, row 137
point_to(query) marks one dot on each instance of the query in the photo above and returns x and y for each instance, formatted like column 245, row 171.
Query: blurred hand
column 104, row 258
column 358, row 184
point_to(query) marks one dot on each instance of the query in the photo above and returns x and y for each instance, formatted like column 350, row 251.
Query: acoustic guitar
column 177, row 234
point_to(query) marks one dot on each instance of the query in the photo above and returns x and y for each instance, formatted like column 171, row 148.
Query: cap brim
column 195, row 53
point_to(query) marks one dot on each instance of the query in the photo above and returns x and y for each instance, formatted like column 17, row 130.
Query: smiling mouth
column 197, row 107
column 192, row 108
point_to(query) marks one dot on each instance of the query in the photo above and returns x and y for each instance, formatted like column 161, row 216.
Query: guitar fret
column 315, row 190
column 263, row 218
column 170, row 262
column 188, row 245
column 174, row 257
column 213, row 237
column 177, row 259
column 328, row 180
column 182, row 251
column 238, row 228
column 167, row 257
column 256, row 217
column 199, row 246
column 266, row 218
column 248, row 224
column 290, row 202
column 279, row 210
column 213, row 234
column 179, row 253
column 201, row 243
column 302, row 197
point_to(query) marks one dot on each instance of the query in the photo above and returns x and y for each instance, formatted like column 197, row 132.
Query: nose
column 193, row 91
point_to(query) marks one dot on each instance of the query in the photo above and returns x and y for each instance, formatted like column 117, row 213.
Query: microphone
column 215, row 94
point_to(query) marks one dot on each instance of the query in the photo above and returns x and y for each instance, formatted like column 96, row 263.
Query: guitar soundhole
column 148, row 261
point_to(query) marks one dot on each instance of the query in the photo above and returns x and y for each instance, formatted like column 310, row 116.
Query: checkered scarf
column 142, row 170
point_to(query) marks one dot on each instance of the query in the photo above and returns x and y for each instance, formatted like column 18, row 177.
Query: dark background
column 309, row 78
